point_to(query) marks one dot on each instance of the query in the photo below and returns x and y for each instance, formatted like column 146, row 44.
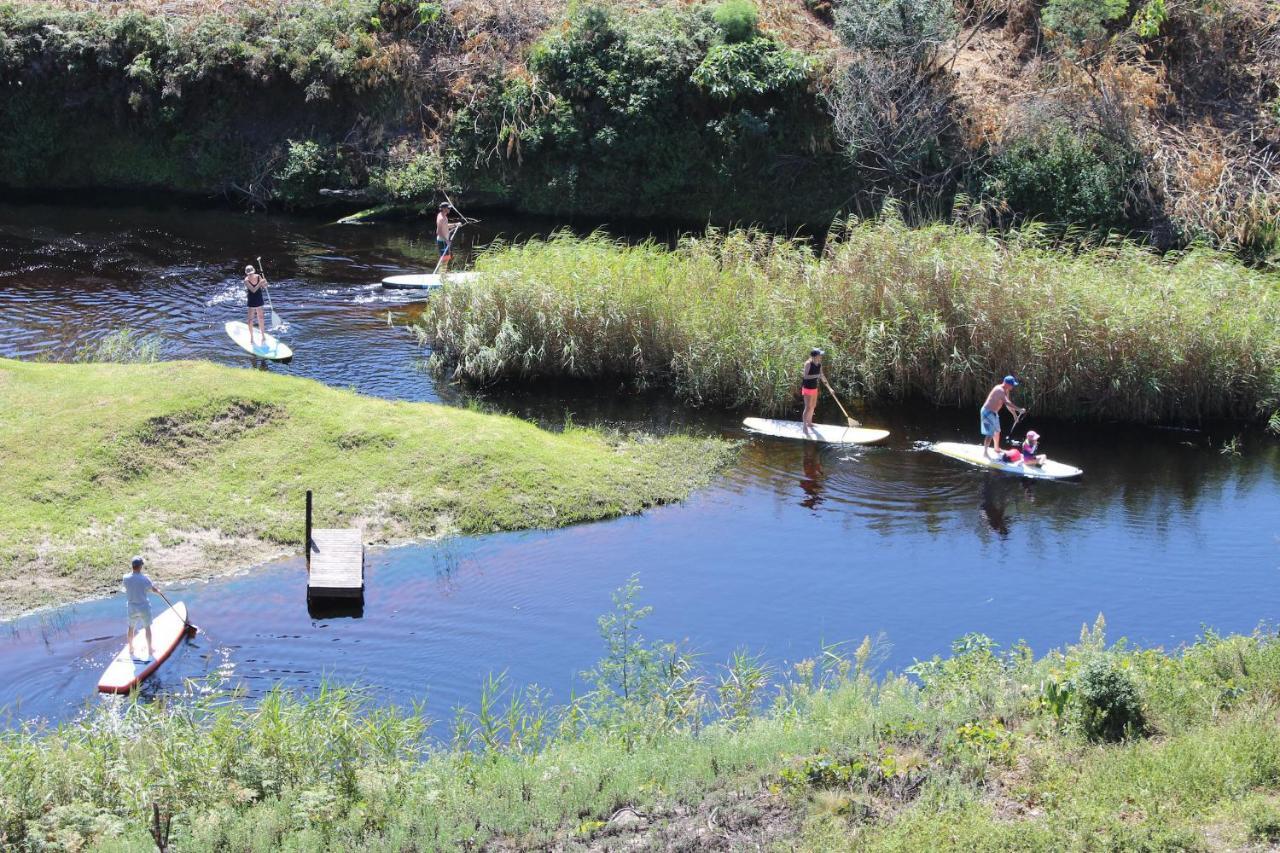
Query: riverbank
column 785, row 113
column 1088, row 746
column 934, row 314
column 204, row 468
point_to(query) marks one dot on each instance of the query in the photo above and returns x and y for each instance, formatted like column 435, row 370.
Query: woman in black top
column 809, row 379
column 256, row 285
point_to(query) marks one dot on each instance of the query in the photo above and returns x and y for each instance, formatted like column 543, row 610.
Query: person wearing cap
column 810, row 376
column 989, row 414
column 256, row 285
column 444, row 233
column 1031, row 454
column 136, row 587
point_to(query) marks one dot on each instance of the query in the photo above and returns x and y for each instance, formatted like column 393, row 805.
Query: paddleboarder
column 256, row 285
column 444, row 235
column 136, row 587
column 989, row 414
column 810, row 376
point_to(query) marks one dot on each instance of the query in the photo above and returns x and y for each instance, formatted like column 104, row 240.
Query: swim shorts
column 139, row 617
column 809, row 392
column 442, row 245
column 989, row 422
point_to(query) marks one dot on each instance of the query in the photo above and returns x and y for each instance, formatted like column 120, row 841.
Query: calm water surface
column 794, row 547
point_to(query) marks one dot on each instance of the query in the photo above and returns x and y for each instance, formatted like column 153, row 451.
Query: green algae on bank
column 204, row 469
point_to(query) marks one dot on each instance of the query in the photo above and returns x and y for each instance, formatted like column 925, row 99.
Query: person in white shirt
column 136, row 587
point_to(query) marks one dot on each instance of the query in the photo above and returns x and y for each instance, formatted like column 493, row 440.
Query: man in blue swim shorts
column 989, row 414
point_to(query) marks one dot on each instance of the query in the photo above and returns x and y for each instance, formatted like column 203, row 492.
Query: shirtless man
column 989, row 414
column 444, row 234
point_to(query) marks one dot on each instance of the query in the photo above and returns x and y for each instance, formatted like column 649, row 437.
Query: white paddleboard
column 126, row 671
column 268, row 347
column 428, row 281
column 975, row 454
column 829, row 433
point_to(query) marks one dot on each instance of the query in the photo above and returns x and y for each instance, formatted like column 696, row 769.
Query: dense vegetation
column 204, row 469
column 1158, row 118
column 1089, row 747
column 935, row 313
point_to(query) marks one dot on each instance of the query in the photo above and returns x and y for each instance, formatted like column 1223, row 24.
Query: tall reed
column 935, row 314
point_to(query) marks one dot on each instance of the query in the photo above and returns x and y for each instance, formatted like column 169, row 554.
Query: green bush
column 307, row 169
column 737, row 20
column 901, row 27
column 1081, row 22
column 1067, row 178
column 608, row 113
column 410, row 178
column 1106, row 701
column 1263, row 821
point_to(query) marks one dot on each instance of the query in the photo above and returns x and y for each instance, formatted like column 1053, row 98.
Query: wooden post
column 306, row 543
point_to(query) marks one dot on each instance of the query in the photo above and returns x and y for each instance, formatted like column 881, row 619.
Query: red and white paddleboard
column 124, row 672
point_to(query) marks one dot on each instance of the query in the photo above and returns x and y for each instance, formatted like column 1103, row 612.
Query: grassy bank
column 1086, row 748
column 935, row 313
column 204, row 468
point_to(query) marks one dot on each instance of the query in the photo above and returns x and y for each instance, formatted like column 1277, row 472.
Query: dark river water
column 794, row 547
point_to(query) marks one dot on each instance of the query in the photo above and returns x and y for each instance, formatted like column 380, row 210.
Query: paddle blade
column 276, row 322
column 853, row 423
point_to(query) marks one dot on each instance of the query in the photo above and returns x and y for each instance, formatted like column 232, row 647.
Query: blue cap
column 1009, row 380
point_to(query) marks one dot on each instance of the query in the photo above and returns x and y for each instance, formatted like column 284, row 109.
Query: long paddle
column 852, row 422
column 276, row 322
column 1016, row 421
column 192, row 630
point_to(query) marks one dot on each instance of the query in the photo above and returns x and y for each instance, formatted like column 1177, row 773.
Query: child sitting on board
column 1028, row 454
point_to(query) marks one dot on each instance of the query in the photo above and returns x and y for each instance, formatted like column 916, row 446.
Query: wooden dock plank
column 337, row 564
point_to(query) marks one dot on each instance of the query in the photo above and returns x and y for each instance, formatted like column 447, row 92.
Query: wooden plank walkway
column 337, row 564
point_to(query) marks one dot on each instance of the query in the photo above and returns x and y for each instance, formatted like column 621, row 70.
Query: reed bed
column 936, row 313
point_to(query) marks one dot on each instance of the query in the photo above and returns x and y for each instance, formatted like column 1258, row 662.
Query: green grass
column 204, row 469
column 937, row 314
column 975, row 755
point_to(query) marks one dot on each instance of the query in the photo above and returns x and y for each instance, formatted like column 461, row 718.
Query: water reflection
column 811, row 483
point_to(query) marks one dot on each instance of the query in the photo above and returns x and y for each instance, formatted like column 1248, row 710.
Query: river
column 793, row 548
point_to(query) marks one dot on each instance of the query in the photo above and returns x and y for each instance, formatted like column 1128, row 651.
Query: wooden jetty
column 335, row 562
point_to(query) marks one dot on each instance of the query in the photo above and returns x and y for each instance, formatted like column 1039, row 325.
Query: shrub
column 1263, row 821
column 1067, row 178
column 407, row 178
column 659, row 108
column 751, row 69
column 737, row 20
column 1081, row 22
column 1107, row 704
column 912, row 28
column 307, row 168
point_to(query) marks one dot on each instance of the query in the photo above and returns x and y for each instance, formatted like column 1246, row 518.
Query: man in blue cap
column 989, row 414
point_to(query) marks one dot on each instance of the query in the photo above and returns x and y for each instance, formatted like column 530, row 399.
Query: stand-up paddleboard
column 830, row 433
column 126, row 671
column 428, row 281
column 975, row 454
column 262, row 347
